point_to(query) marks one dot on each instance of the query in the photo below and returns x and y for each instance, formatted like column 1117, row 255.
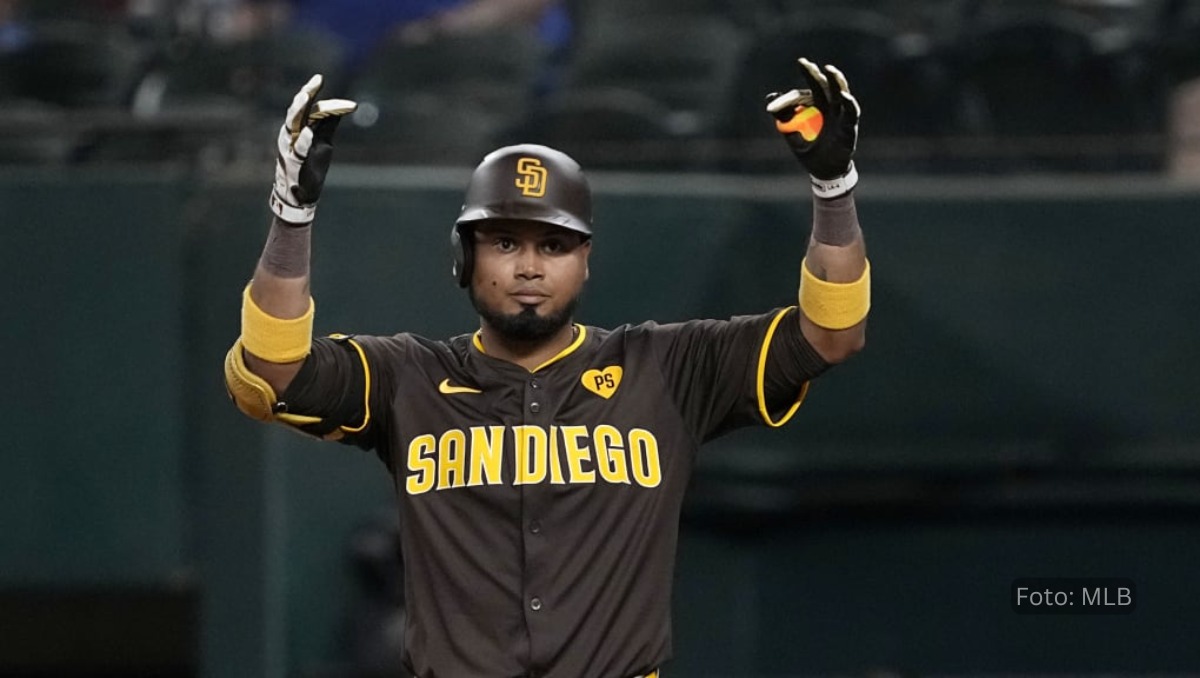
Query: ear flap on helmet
column 462, row 245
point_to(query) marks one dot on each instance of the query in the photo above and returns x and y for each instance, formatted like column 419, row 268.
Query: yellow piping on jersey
column 366, row 385
column 297, row 419
column 580, row 335
column 762, row 368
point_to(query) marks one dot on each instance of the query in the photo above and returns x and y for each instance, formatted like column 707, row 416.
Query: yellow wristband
column 275, row 339
column 835, row 306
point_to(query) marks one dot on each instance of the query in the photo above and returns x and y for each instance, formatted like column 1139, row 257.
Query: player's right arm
column 280, row 290
column 277, row 307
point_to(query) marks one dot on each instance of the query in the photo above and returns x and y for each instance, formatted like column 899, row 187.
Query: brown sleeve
column 712, row 368
column 343, row 384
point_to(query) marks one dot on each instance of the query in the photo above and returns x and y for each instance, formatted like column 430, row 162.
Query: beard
column 526, row 325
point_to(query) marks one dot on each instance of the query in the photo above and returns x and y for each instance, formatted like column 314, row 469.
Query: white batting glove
column 305, row 148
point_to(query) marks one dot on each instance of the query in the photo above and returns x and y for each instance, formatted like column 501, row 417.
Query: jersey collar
column 580, row 336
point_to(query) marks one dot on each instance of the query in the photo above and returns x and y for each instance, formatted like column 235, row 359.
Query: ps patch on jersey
column 604, row 382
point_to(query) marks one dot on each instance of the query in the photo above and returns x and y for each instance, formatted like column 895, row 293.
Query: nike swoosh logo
column 446, row 388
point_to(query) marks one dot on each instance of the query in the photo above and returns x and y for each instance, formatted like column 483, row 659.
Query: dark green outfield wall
column 1025, row 407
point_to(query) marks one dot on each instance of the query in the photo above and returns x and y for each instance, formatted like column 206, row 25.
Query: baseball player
column 540, row 464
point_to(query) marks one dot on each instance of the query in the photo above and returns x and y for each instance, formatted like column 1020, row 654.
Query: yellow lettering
column 610, row 454
column 421, row 465
column 577, row 453
column 556, row 474
column 533, row 177
column 643, row 453
column 531, row 450
column 487, row 455
column 452, row 459
column 559, row 455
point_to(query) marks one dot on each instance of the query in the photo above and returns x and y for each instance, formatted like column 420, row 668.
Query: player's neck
column 527, row 354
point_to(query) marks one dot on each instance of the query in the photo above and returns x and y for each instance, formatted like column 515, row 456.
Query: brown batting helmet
column 528, row 182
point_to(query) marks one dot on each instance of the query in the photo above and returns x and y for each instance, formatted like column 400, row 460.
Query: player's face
column 528, row 276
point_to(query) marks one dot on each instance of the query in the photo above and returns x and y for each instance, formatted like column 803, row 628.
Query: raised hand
column 820, row 123
column 305, row 150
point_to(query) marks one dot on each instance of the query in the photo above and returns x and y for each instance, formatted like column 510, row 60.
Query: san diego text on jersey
column 573, row 454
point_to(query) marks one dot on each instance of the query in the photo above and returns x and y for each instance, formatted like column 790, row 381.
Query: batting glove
column 305, row 150
column 820, row 124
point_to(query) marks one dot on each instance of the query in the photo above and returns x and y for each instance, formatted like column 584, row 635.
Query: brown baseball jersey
column 539, row 509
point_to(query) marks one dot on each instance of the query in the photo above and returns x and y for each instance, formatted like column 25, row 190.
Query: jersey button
column 535, row 603
column 534, row 407
column 535, row 526
column 534, row 383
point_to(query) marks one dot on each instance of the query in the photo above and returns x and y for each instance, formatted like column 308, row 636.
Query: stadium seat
column 685, row 63
column 77, row 66
column 441, row 102
column 286, row 59
column 199, row 75
column 495, row 71
column 262, row 74
column 207, row 101
column 1178, row 37
column 415, row 130
column 1176, row 52
column 899, row 82
column 35, row 133
column 607, row 128
column 1034, row 82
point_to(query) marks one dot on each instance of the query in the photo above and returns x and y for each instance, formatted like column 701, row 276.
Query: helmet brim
column 524, row 212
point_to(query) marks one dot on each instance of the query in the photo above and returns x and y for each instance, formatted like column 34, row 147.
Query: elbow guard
column 270, row 338
column 250, row 392
column 257, row 399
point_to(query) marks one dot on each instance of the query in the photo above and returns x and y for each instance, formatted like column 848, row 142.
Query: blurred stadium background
column 1027, row 404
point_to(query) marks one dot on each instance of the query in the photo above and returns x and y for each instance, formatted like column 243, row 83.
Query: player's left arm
column 819, row 120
